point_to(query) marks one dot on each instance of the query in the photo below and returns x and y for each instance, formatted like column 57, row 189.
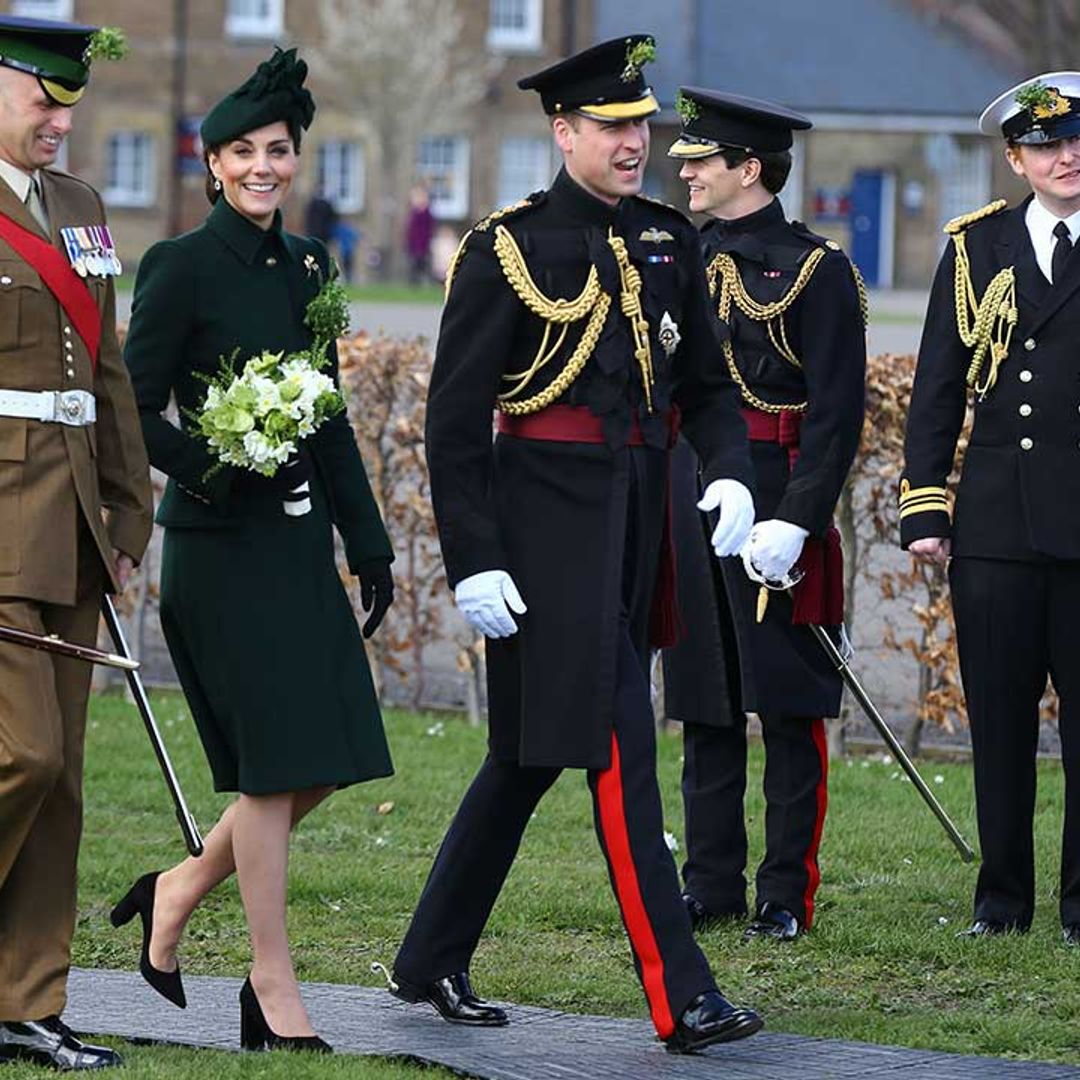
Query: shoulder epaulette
column 519, row 207
column 959, row 224
column 530, row 201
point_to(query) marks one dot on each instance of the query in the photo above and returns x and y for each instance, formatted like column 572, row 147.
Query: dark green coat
column 254, row 612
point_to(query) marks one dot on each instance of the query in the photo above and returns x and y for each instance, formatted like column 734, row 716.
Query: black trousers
column 1016, row 624
column 714, row 785
column 483, row 839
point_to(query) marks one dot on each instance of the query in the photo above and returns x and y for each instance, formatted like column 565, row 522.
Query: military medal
column 73, row 245
column 115, row 267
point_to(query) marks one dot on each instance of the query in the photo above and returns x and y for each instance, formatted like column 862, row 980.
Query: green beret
column 275, row 92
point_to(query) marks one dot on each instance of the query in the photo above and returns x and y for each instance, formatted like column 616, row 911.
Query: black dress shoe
column 991, row 928
column 773, row 921
column 256, row 1033
column 52, row 1043
column 702, row 918
column 1070, row 933
column 453, row 999
column 711, row 1018
column 140, row 901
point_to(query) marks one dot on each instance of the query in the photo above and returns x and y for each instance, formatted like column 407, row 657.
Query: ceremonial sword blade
column 53, row 643
column 868, row 707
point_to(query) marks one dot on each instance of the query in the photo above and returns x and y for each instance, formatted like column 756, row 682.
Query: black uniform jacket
column 780, row 667
column 229, row 285
column 555, row 515
column 1019, row 494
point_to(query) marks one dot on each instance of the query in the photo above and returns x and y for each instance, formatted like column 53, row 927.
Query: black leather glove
column 292, row 474
column 376, row 592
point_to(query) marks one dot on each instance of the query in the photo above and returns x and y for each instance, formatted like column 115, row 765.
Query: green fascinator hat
column 275, row 92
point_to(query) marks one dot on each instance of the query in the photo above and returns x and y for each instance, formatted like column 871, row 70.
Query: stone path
column 539, row 1045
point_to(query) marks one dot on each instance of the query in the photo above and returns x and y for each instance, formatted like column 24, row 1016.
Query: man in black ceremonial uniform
column 580, row 316
column 792, row 304
column 1003, row 323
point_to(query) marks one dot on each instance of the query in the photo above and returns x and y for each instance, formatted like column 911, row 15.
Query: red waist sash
column 819, row 596
column 577, row 424
column 55, row 270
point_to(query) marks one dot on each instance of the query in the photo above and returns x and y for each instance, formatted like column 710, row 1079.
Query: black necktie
column 1062, row 251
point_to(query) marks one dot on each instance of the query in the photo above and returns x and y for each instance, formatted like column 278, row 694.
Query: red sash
column 68, row 288
column 575, row 423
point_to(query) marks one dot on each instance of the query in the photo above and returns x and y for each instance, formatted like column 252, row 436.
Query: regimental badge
column 653, row 235
column 669, row 334
column 1043, row 102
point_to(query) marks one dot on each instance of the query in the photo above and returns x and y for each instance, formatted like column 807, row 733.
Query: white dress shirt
column 1040, row 226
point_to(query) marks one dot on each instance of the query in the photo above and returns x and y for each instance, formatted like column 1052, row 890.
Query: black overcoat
column 1019, row 492
column 556, row 515
column 777, row 668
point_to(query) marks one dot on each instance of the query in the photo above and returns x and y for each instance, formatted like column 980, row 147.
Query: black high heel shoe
column 256, row 1034
column 140, row 901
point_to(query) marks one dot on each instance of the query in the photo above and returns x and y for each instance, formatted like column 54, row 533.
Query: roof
column 854, row 56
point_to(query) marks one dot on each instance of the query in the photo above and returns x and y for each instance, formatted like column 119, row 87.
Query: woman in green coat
column 254, row 612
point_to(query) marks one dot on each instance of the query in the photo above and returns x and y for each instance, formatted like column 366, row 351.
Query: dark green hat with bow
column 275, row 92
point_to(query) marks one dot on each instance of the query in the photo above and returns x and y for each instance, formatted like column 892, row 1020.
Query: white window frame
column 448, row 180
column 347, row 188
column 245, row 24
column 130, row 193
column 529, row 37
column 43, row 9
column 516, row 179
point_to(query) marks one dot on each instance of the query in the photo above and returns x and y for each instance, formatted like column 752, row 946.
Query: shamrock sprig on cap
column 108, row 43
column 687, row 108
column 1042, row 101
column 637, row 56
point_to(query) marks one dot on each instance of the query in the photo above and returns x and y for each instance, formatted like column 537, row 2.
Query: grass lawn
column 883, row 963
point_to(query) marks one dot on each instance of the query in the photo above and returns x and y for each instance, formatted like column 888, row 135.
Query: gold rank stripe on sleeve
column 922, row 500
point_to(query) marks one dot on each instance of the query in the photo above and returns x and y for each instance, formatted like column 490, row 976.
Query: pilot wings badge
column 669, row 334
column 655, row 235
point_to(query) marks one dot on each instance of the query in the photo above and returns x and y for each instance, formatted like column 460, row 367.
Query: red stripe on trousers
column 628, row 893
column 813, row 873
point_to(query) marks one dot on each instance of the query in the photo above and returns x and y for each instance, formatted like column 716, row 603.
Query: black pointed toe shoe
column 710, row 1018
column 256, row 1033
column 453, row 999
column 140, row 901
column 51, row 1043
column 1070, row 933
column 991, row 928
column 773, row 921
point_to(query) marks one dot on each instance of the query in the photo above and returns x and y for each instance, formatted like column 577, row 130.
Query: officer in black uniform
column 1001, row 331
column 580, row 317
column 792, row 303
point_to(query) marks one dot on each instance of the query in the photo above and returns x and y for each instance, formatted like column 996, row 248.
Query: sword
column 192, row 838
column 53, row 643
column 841, row 660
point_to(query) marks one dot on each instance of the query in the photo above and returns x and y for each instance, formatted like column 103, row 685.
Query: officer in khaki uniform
column 75, row 508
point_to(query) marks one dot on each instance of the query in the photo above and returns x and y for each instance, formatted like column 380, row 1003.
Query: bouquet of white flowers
column 255, row 419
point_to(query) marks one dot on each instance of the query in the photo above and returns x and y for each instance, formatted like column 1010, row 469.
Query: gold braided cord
column 630, row 303
column 985, row 325
column 860, row 288
column 959, row 224
column 452, row 265
column 543, row 356
column 574, row 365
column 481, row 226
column 517, row 274
column 724, row 267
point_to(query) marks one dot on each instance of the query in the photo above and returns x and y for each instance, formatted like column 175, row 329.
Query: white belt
column 76, row 408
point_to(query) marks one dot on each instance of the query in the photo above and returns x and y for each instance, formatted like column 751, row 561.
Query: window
column 524, row 167
column 43, row 9
column 254, row 18
column 339, row 170
column 515, row 25
column 130, row 162
column 443, row 162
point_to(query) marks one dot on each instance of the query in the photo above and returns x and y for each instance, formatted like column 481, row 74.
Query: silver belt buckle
column 69, row 407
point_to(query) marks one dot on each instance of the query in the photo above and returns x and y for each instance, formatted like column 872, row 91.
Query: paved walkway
column 539, row 1045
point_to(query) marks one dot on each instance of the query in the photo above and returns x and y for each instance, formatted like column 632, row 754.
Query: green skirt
column 269, row 654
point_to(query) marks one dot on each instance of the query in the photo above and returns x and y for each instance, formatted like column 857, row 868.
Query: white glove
column 736, row 515
column 486, row 600
column 775, row 547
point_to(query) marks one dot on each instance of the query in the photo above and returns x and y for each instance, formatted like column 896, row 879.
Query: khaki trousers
column 43, row 701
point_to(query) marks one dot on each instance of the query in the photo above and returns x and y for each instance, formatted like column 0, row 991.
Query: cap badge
column 637, row 56
column 1043, row 102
